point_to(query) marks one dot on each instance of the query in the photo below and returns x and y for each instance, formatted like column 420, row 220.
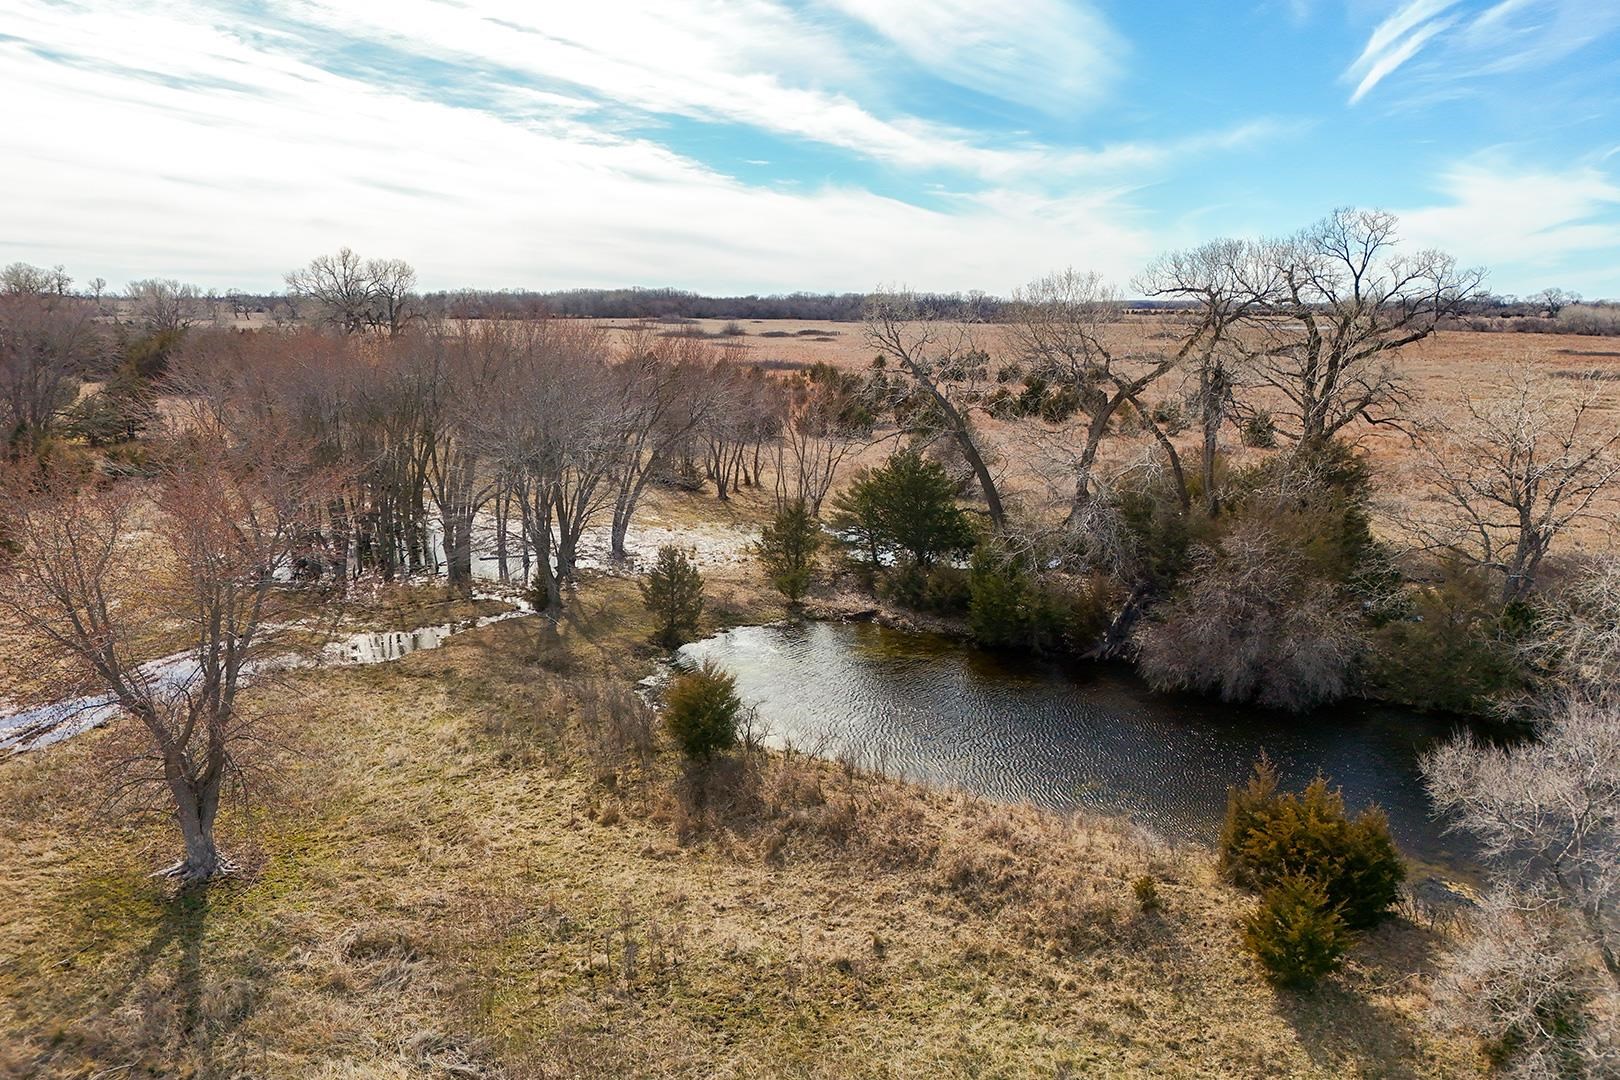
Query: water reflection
column 933, row 710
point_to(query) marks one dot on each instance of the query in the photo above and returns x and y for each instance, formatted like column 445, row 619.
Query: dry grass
column 482, row 864
column 1031, row 457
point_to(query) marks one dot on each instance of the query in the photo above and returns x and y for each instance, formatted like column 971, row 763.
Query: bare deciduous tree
column 1346, row 303
column 100, row 602
column 661, row 403
column 393, row 295
column 1518, row 980
column 355, row 294
column 1540, row 971
column 1057, row 326
column 166, row 306
column 20, row 278
column 554, row 431
column 1513, row 472
column 1554, row 300
column 1230, row 282
column 46, row 344
column 925, row 345
column 826, row 421
column 1547, row 811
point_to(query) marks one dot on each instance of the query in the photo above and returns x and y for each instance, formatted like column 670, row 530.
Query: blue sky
column 773, row 145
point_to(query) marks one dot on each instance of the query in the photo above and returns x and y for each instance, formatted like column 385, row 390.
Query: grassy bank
column 479, row 862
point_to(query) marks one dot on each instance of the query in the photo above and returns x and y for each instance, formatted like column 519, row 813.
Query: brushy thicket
column 1451, row 646
column 1270, row 589
column 1013, row 606
column 701, row 710
column 1268, row 595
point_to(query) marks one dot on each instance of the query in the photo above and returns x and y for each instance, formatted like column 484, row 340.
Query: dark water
column 1065, row 737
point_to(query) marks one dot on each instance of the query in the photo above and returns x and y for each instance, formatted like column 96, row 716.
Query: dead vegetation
column 485, row 861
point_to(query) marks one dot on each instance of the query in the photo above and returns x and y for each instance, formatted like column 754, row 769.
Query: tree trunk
column 458, row 550
column 196, row 807
column 1211, row 400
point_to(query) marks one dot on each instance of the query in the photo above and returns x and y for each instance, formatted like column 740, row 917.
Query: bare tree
column 1513, row 472
column 660, row 384
column 392, row 304
column 355, row 294
column 1579, row 638
column 1519, row 980
column 20, row 278
column 453, row 372
column 1554, row 300
column 99, row 603
column 1547, row 811
column 926, row 346
column 826, row 421
column 1347, row 303
column 164, row 305
column 1230, row 282
column 1057, row 326
column 1540, row 970
column 339, row 285
column 46, row 344
column 555, row 433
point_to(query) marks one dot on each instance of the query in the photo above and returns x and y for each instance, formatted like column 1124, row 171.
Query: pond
column 1064, row 736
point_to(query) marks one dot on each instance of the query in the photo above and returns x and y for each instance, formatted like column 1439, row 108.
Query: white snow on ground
column 709, row 546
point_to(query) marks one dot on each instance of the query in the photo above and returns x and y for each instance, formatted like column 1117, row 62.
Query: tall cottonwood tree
column 355, row 294
column 1229, row 283
column 1057, row 327
column 1346, row 301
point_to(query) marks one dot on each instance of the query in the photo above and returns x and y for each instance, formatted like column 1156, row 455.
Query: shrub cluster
column 1296, row 933
column 1272, row 840
column 1450, row 647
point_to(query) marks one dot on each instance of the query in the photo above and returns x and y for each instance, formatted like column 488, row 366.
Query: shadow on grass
column 1339, row 1022
column 184, row 1010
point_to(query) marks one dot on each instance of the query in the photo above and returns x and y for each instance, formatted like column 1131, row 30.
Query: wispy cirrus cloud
column 1049, row 54
column 772, row 68
column 1466, row 40
column 1396, row 40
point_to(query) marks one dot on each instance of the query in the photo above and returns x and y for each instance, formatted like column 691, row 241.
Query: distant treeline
column 679, row 304
column 1549, row 312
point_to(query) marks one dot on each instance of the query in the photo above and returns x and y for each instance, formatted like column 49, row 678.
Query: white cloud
column 1051, row 54
column 173, row 146
column 1531, row 224
column 1506, row 36
column 1395, row 41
